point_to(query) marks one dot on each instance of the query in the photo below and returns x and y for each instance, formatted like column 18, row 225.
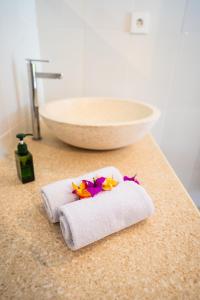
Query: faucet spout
column 48, row 75
column 33, row 75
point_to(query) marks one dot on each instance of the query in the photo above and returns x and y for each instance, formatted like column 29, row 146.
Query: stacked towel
column 59, row 193
column 86, row 221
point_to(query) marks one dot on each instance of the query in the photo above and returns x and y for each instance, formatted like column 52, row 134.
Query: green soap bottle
column 24, row 160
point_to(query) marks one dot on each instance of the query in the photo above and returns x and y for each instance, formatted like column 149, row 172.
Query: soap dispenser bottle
column 24, row 160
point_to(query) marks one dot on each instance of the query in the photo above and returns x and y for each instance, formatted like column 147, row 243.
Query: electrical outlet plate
column 140, row 22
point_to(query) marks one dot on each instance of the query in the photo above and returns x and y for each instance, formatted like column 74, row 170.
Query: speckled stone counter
column 156, row 259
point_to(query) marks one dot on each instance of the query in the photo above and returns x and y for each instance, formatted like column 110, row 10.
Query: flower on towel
column 94, row 187
column 89, row 188
column 81, row 190
column 109, row 183
column 126, row 178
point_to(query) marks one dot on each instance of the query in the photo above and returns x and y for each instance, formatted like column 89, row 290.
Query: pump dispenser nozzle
column 21, row 136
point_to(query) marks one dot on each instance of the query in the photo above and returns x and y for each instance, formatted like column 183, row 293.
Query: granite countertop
column 156, row 259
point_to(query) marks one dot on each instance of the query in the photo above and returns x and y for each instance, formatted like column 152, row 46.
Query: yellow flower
column 108, row 184
column 81, row 190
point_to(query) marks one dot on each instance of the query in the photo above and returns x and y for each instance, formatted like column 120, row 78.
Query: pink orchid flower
column 94, row 187
column 134, row 179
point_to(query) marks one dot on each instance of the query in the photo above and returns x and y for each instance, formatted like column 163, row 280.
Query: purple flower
column 99, row 181
column 126, row 178
column 94, row 187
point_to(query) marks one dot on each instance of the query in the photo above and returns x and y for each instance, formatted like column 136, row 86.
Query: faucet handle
column 37, row 60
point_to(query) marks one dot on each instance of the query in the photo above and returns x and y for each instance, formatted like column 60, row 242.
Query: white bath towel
column 60, row 192
column 88, row 220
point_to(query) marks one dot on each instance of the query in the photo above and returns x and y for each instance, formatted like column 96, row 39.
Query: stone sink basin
column 99, row 123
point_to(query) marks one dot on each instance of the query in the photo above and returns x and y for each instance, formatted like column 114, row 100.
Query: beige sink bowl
column 99, row 123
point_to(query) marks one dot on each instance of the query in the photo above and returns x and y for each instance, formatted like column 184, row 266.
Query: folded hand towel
column 86, row 221
column 58, row 193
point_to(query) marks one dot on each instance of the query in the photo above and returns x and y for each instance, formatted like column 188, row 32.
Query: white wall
column 88, row 40
column 18, row 41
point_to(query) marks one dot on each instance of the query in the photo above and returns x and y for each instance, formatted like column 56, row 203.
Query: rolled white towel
column 88, row 220
column 60, row 192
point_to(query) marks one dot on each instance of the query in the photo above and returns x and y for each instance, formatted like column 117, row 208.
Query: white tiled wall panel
column 18, row 41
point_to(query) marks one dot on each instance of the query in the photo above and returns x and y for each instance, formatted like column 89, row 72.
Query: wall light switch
column 140, row 22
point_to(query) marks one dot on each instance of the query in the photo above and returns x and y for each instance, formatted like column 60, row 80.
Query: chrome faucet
column 33, row 75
